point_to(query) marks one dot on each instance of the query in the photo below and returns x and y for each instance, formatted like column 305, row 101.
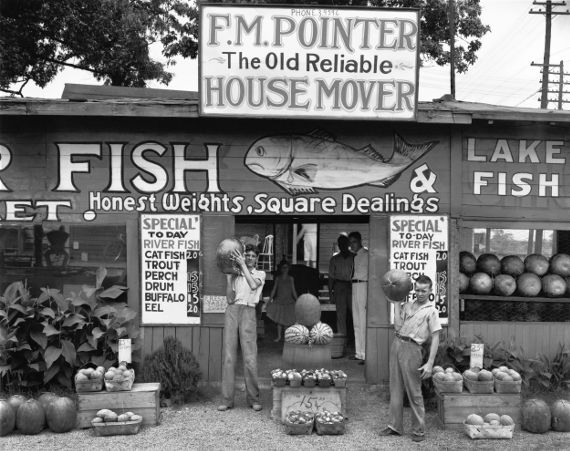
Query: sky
column 502, row 75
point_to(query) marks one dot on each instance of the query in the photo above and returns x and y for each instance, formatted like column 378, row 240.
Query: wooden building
column 96, row 162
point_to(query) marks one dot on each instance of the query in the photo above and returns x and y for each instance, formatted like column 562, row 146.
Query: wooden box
column 313, row 397
column 454, row 408
column 142, row 399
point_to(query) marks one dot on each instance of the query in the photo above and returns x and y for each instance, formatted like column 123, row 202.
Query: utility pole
column 546, row 58
column 561, row 84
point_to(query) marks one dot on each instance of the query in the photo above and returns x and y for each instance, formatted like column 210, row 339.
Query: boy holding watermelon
column 415, row 323
column 242, row 292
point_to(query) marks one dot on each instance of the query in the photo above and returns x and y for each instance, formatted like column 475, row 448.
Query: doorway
column 306, row 244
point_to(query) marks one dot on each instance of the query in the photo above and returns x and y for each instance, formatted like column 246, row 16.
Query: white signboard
column 477, row 352
column 308, row 61
column 419, row 245
column 214, row 304
column 170, row 251
column 125, row 353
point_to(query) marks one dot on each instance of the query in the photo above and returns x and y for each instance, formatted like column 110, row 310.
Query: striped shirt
column 244, row 294
column 421, row 324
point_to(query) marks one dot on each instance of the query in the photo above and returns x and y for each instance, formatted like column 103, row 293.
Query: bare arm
column 428, row 366
column 230, row 293
column 254, row 284
column 398, row 321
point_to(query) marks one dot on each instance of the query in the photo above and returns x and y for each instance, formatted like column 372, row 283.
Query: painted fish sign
column 301, row 164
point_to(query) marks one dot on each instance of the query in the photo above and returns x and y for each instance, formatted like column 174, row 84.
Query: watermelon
column 7, row 418
column 223, row 255
column 536, row 417
column 307, row 310
column 396, row 285
column 560, row 412
column 16, row 401
column 297, row 334
column 30, row 418
column 61, row 414
column 45, row 398
column 321, row 334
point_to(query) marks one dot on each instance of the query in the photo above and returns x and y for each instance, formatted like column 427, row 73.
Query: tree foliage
column 111, row 38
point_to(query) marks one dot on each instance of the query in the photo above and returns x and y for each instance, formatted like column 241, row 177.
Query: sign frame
column 199, row 317
column 348, row 115
column 440, row 287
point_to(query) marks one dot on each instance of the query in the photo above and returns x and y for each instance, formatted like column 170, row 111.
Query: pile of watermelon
column 538, row 417
column 511, row 275
column 30, row 416
column 320, row 334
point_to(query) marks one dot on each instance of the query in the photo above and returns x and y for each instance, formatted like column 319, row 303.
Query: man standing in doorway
column 340, row 272
column 242, row 292
column 414, row 323
column 359, row 295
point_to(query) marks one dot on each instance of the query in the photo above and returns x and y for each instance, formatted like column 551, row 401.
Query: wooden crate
column 454, row 408
column 311, row 393
column 142, row 399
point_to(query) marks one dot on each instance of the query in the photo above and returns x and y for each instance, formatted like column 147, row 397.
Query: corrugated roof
column 116, row 101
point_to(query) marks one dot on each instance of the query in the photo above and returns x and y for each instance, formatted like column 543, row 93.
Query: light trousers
column 240, row 320
column 359, row 297
column 405, row 359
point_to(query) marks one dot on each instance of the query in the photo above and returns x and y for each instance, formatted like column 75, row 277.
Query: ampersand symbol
column 423, row 180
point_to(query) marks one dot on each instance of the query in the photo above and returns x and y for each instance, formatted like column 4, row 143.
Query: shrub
column 44, row 340
column 176, row 368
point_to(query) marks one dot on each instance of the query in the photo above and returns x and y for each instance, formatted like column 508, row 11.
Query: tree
column 109, row 38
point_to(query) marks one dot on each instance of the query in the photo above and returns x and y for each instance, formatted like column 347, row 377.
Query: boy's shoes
column 388, row 431
column 223, row 407
column 256, row 407
column 418, row 438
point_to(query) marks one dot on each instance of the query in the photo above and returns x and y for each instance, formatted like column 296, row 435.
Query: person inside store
column 243, row 292
column 359, row 295
column 340, row 286
column 308, row 234
column 281, row 307
column 415, row 323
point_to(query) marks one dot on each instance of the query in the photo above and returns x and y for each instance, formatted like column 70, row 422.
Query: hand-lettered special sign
column 419, row 245
column 170, row 272
column 308, row 61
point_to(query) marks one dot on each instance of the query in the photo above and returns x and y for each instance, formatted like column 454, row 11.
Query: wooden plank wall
column 379, row 330
column 204, row 341
column 534, row 338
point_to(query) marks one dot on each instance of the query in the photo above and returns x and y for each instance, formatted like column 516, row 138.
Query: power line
column 548, row 13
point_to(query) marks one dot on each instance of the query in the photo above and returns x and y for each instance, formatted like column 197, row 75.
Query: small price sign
column 477, row 350
column 125, row 350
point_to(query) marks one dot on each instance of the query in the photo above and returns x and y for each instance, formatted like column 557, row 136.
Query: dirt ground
column 199, row 425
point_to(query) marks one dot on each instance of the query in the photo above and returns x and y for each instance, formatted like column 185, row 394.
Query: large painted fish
column 301, row 164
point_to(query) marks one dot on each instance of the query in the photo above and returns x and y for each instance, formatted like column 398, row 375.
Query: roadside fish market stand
column 146, row 174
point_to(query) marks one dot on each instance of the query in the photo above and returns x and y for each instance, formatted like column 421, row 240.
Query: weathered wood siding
column 205, row 341
column 533, row 338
